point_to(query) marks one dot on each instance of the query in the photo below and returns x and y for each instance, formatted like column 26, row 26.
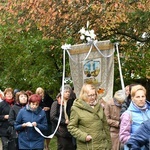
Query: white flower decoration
column 92, row 34
column 87, row 34
column 88, row 39
column 82, row 37
column 82, row 31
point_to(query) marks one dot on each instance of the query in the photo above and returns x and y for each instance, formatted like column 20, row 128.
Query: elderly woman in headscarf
column 112, row 112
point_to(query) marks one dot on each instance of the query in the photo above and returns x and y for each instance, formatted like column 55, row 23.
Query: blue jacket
column 131, row 120
column 28, row 137
column 141, row 137
column 138, row 116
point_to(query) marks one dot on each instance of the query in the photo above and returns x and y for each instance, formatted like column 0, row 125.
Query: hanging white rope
column 62, row 92
column 88, row 52
column 62, row 95
column 92, row 43
column 120, row 70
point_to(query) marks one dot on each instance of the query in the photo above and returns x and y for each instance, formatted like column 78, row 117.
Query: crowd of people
column 20, row 112
column 79, row 123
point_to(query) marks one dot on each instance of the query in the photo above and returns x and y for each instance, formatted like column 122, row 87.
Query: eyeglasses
column 92, row 95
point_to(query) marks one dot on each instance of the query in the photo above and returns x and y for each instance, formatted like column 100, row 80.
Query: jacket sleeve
column 125, row 127
column 18, row 122
column 139, row 138
column 2, row 112
column 107, row 131
column 54, row 114
column 73, row 126
column 12, row 117
column 111, row 122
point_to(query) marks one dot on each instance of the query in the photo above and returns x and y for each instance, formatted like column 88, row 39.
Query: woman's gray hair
column 120, row 95
column 66, row 87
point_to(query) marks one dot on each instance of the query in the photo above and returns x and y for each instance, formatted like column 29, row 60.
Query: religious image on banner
column 92, row 71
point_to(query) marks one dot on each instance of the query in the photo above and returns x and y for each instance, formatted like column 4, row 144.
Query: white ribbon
column 62, row 93
column 92, row 43
column 120, row 70
column 66, row 46
column 29, row 124
column 38, row 130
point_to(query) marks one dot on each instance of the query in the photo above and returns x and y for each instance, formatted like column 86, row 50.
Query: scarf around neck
column 9, row 101
column 141, row 108
column 28, row 107
column 116, row 103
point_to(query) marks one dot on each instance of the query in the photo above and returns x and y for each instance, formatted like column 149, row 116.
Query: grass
column 53, row 144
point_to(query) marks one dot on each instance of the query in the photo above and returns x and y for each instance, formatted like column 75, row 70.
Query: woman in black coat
column 5, row 107
column 21, row 100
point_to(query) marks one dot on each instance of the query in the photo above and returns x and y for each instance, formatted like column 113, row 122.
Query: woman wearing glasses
column 87, row 121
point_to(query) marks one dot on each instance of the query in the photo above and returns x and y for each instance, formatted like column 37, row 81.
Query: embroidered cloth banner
column 93, row 63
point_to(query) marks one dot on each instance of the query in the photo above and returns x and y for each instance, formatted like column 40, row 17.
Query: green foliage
column 28, row 62
column 32, row 32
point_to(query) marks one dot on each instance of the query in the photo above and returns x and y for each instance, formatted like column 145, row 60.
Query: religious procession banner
column 93, row 63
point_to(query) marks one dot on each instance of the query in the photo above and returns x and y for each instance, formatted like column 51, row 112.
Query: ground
column 52, row 146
